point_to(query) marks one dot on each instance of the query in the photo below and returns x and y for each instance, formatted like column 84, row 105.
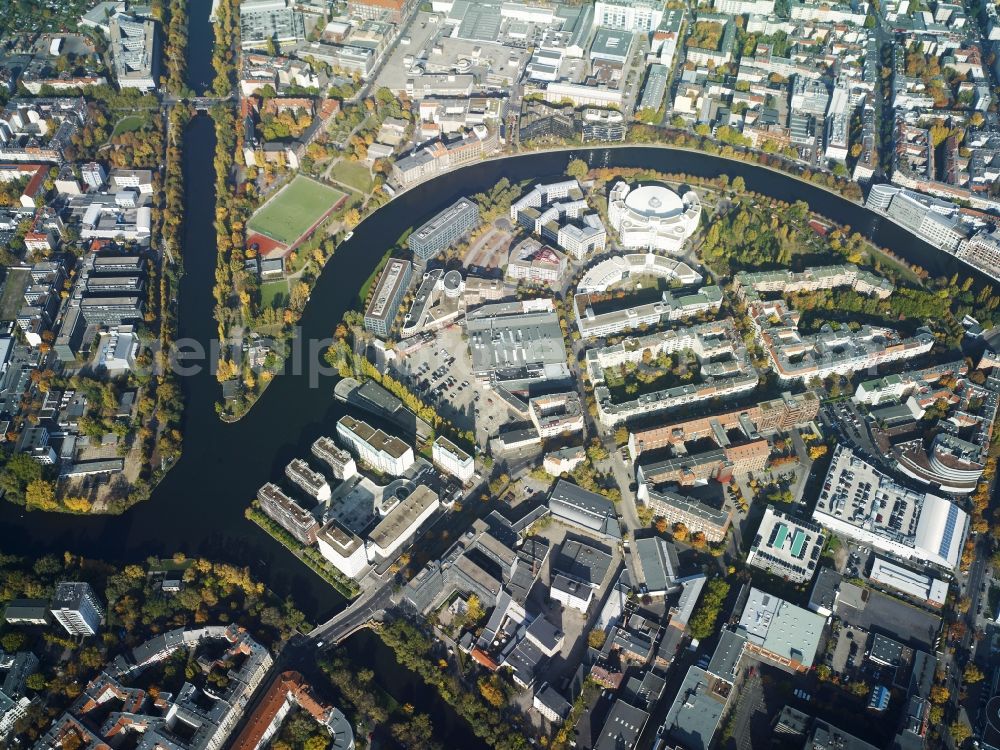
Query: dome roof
column 654, row 200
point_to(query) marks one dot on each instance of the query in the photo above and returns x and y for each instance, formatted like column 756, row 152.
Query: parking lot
column 849, row 650
column 440, row 374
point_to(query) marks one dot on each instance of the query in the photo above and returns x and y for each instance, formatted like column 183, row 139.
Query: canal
column 198, row 508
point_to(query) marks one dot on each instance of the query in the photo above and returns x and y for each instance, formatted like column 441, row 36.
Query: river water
column 198, row 507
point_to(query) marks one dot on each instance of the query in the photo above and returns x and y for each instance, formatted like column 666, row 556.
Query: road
column 369, row 606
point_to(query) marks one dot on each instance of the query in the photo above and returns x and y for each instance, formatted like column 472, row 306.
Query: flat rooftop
column 377, row 439
column 403, row 516
column 394, row 276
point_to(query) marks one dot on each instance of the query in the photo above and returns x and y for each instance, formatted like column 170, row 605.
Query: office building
column 134, row 52
column 266, row 21
column 445, row 229
column 535, row 263
column 344, row 549
column 77, row 608
column 393, row 11
column 380, row 451
column 780, row 632
column 787, row 547
column 387, row 298
column 401, row 523
column 453, row 460
column 636, row 16
column 653, row 216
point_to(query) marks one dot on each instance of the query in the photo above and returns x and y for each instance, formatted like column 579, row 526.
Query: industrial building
column 860, row 502
column 588, row 510
column 517, row 345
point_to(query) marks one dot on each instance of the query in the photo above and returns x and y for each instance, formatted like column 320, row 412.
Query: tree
column 577, row 168
column 13, row 641
column 959, row 731
column 41, row 494
column 680, row 532
column 739, row 185
column 475, row 612
column 36, row 681
column 596, row 638
column 939, row 695
column 972, row 674
column 492, row 691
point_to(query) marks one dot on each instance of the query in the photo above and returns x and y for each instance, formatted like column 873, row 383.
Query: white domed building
column 653, row 216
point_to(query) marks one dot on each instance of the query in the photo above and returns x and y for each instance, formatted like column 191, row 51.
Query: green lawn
column 129, row 124
column 273, row 293
column 296, row 207
column 353, row 173
column 13, row 292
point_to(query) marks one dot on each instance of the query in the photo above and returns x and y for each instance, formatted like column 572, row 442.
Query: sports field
column 296, row 207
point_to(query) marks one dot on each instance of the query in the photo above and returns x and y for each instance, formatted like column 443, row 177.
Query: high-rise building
column 445, row 229
column 77, row 608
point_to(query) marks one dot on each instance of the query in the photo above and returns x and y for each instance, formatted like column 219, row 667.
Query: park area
column 295, row 209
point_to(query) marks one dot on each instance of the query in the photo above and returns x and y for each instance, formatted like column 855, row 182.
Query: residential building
column 341, row 462
column 76, row 607
column 295, row 519
column 312, row 482
column 636, row 16
column 27, row 612
column 697, row 515
column 556, row 413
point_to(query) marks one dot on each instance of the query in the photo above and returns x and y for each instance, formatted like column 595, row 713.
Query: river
column 198, row 507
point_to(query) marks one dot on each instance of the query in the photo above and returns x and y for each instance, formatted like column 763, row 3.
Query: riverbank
column 346, row 586
column 198, row 506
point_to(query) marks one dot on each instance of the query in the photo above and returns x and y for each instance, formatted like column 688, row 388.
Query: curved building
column 653, row 216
